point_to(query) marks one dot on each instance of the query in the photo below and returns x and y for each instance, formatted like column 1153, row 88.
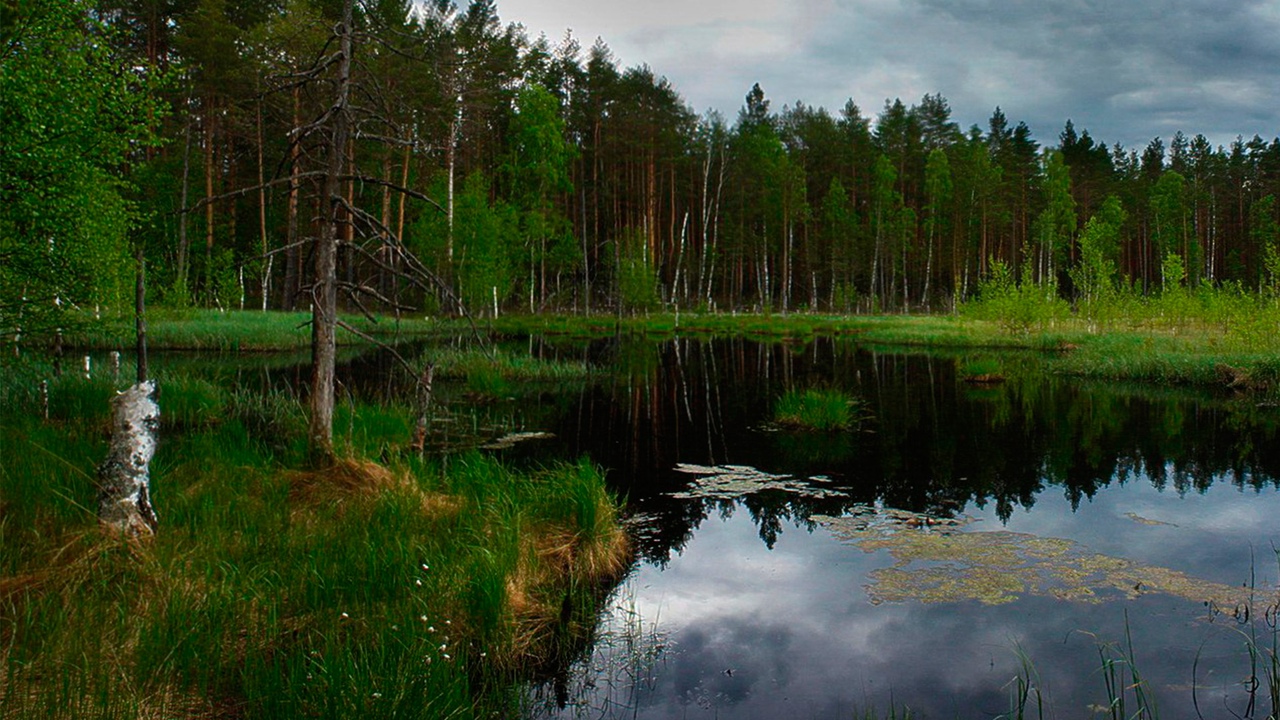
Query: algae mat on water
column 939, row 561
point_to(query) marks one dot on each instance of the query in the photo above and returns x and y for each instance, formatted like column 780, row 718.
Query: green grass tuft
column 817, row 409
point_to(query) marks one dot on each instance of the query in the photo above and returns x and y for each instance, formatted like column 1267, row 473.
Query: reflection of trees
column 935, row 443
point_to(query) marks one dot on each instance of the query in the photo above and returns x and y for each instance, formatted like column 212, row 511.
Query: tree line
column 524, row 173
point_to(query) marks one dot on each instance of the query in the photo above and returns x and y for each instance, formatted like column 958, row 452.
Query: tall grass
column 405, row 589
column 817, row 409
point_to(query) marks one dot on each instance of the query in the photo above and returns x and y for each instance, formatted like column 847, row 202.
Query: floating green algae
column 938, row 560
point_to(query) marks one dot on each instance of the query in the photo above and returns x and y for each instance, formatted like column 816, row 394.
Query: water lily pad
column 726, row 482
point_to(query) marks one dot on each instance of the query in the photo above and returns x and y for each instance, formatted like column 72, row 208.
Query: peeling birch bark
column 124, row 495
column 425, row 383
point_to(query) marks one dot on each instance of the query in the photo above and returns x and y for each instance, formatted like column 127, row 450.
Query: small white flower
column 418, row 583
column 344, row 616
column 425, row 567
column 423, row 618
column 443, row 648
column 430, row 628
column 446, row 656
column 377, row 695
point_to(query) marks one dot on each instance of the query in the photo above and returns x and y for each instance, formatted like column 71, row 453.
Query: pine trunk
column 325, row 292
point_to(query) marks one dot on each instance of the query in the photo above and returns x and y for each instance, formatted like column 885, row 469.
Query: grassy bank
column 1211, row 343
column 238, row 330
column 405, row 588
column 1243, row 353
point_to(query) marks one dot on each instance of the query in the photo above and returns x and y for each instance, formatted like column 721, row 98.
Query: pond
column 964, row 542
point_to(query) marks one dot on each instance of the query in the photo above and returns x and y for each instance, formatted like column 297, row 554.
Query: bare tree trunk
column 183, row 242
column 262, row 216
column 208, row 195
column 293, row 257
column 385, row 248
column 394, row 293
column 124, row 496
column 324, row 291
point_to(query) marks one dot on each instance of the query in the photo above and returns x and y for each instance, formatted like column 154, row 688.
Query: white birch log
column 124, row 496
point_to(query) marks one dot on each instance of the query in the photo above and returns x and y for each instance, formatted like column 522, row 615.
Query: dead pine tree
column 336, row 123
column 325, row 146
column 348, row 227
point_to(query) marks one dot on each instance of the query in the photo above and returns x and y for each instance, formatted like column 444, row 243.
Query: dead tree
column 324, row 290
column 355, row 111
column 124, row 495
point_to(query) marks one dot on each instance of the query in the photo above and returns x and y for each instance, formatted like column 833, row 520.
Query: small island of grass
column 817, row 409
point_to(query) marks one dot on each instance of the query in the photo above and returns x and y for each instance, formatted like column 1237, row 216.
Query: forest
column 537, row 174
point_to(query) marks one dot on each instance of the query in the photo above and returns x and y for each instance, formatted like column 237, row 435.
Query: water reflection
column 766, row 614
column 753, row 632
column 936, row 442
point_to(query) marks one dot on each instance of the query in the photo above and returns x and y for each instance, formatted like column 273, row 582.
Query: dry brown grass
column 349, row 479
column 552, row 561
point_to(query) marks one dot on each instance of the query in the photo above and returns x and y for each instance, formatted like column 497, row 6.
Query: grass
column 817, row 409
column 236, row 330
column 400, row 588
column 500, row 373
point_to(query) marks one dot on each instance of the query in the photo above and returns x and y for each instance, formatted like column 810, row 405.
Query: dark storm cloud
column 1150, row 65
column 1127, row 71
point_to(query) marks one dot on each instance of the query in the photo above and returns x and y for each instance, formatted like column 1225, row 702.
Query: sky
column 1126, row 70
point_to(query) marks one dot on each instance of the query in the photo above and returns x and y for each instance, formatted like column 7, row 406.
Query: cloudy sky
column 1126, row 70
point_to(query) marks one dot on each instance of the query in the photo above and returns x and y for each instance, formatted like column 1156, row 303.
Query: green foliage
column 1265, row 233
column 1056, row 224
column 1096, row 275
column 537, row 171
column 938, row 188
column 222, row 279
column 1017, row 306
column 74, row 115
column 487, row 243
column 841, row 233
column 636, row 278
column 1171, row 225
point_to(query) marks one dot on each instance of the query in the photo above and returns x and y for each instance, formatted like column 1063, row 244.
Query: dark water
column 1141, row 523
